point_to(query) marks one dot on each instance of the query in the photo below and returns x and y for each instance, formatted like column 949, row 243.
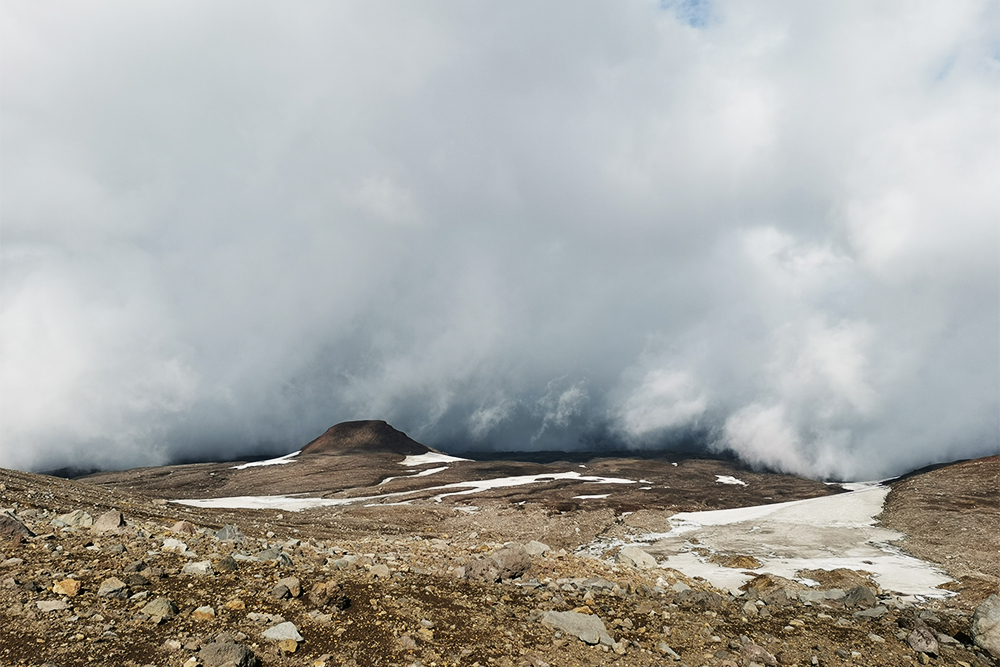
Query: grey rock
column 680, row 587
column 634, row 557
column 821, row 596
column 753, row 653
column 228, row 654
column 875, row 612
column 749, row 609
column 11, row 527
column 113, row 588
column 286, row 630
column 667, row 651
column 502, row 565
column 379, row 571
column 230, row 533
column 985, row 629
column 860, row 596
column 51, row 605
column 289, row 587
column 922, row 640
column 227, row 564
column 160, row 608
column 589, row 629
column 535, row 548
column 75, row 519
column 198, row 569
column 109, row 522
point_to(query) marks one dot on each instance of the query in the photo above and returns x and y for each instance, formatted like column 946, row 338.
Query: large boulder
column 11, row 527
column 502, row 565
column 986, row 625
column 109, row 522
column 635, row 557
column 587, row 628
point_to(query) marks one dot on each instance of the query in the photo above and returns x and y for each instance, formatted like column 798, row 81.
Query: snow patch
column 428, row 458
column 281, row 460
column 598, row 496
column 729, row 479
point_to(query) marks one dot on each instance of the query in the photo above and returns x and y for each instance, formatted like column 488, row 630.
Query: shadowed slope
column 364, row 437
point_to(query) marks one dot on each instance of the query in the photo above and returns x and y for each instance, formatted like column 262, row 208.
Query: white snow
column 427, row 459
column 729, row 479
column 819, row 533
column 596, row 496
column 422, row 473
column 298, row 503
column 281, row 460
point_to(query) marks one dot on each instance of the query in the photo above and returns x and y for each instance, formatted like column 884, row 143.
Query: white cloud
column 500, row 225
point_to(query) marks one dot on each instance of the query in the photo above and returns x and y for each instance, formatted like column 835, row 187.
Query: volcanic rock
column 502, row 565
column 11, row 527
column 160, row 608
column 986, row 625
column 364, row 437
column 228, row 654
column 587, row 628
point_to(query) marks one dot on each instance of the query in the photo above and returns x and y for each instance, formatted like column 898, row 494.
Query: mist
column 749, row 228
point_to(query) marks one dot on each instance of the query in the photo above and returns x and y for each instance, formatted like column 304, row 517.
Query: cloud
column 774, row 230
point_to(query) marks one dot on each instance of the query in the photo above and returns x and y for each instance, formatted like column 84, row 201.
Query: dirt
column 401, row 567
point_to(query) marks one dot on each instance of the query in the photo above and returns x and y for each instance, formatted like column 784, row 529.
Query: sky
column 756, row 228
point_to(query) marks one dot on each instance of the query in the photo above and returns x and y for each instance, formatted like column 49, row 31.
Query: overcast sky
column 768, row 228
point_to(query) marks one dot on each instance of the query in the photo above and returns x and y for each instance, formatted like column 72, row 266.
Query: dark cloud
column 227, row 226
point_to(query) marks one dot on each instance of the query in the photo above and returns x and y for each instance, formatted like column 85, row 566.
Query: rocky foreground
column 140, row 583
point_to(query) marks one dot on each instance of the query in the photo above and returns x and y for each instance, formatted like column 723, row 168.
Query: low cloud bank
column 775, row 233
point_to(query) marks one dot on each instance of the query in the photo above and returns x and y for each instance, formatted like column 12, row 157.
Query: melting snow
column 818, row 533
column 597, row 496
column 281, row 460
column 428, row 458
column 729, row 479
column 422, row 473
column 298, row 503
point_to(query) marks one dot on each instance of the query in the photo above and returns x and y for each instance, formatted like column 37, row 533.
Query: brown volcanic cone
column 364, row 437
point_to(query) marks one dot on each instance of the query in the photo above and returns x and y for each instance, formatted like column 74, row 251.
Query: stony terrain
column 94, row 574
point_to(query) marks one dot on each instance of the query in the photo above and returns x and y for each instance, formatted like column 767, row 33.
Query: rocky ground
column 105, row 575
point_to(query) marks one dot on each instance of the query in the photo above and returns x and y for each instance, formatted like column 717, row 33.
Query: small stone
column 171, row 545
column 876, row 638
column 227, row 564
column 288, row 645
column 200, row 568
column 51, row 605
column 68, row 587
column 379, row 571
column 230, row 533
column 753, row 653
column 113, row 588
column 205, row 613
column 228, row 654
column 183, row 527
column 286, row 630
column 159, row 609
column 667, row 651
column 109, row 522
column 235, row 605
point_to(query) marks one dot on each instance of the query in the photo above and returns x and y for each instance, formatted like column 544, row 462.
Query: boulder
column 11, row 527
column 502, row 565
column 199, row 569
column 183, row 528
column 922, row 640
column 74, row 519
column 160, row 608
column 109, row 522
column 286, row 630
column 860, row 596
column 230, row 533
column 227, row 654
column 535, row 548
column 587, row 628
column 635, row 557
column 986, row 625
column 113, row 588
